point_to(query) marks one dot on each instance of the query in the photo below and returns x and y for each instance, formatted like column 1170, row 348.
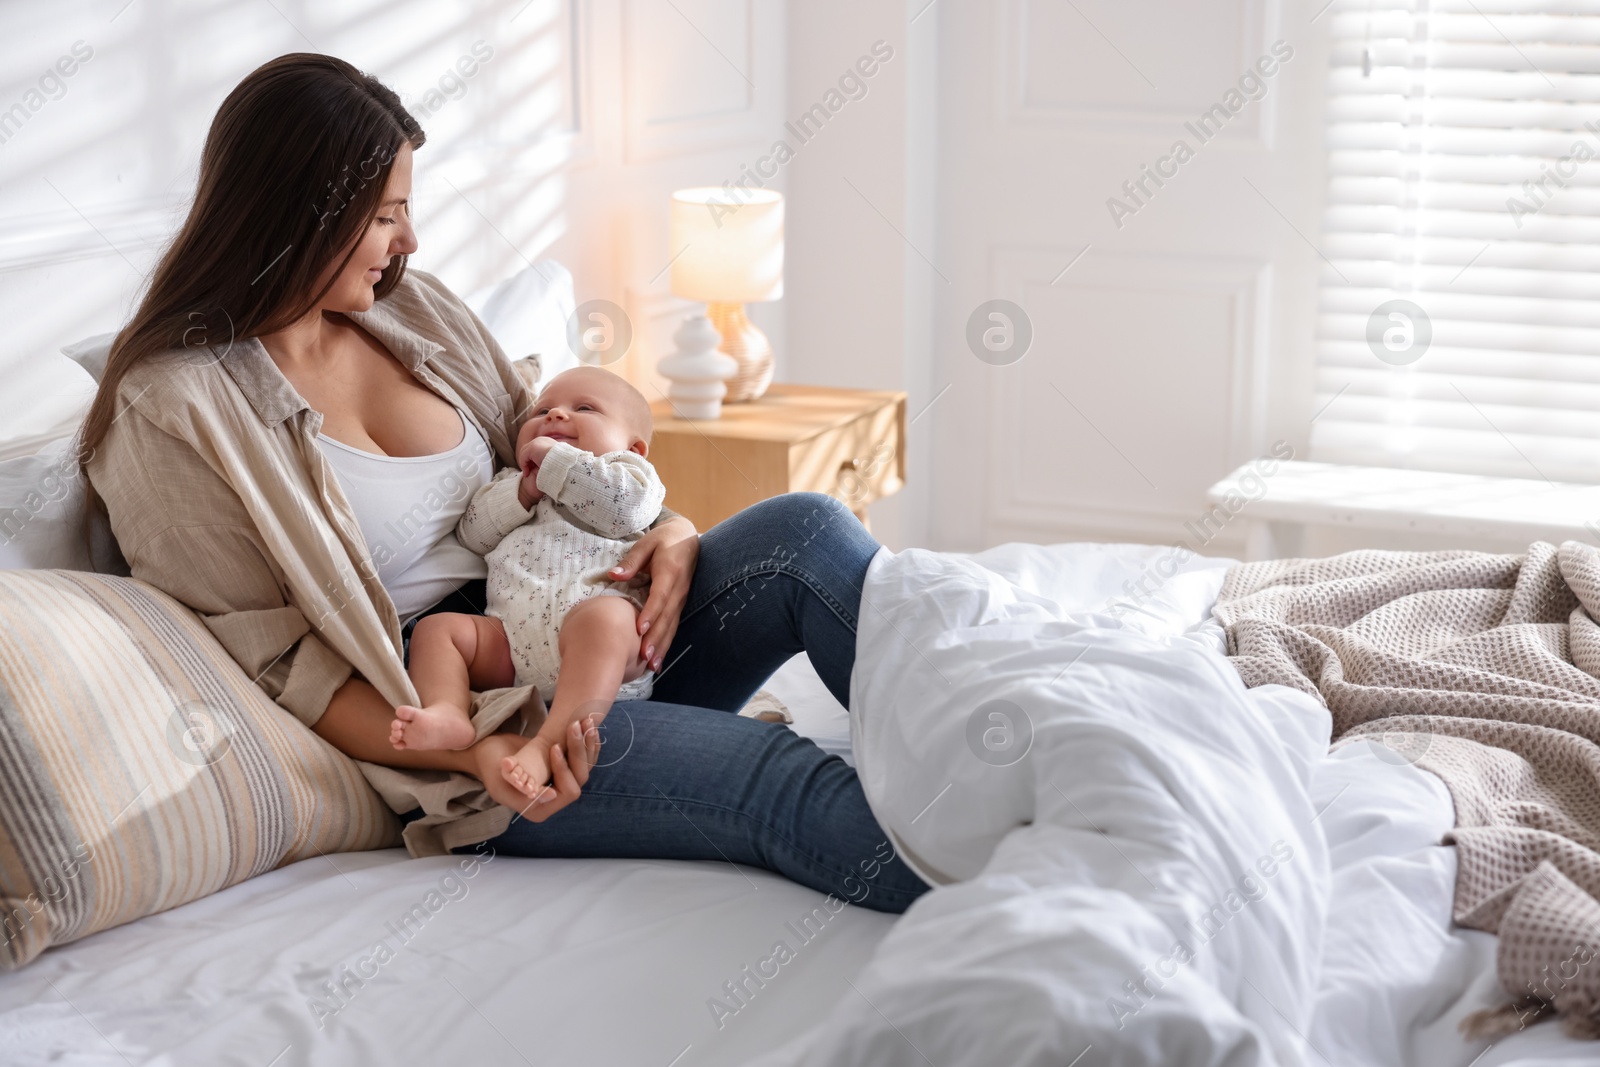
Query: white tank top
column 408, row 507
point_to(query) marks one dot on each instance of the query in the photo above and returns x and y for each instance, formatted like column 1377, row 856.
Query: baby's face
column 589, row 409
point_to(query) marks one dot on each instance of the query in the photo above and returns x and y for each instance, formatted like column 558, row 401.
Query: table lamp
column 729, row 248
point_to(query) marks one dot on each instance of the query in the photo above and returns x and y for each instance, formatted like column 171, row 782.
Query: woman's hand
column 668, row 554
column 570, row 764
column 569, row 759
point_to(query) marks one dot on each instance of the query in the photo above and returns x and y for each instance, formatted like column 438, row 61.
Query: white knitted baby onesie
column 545, row 560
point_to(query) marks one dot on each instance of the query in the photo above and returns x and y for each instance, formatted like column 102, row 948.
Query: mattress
column 378, row 958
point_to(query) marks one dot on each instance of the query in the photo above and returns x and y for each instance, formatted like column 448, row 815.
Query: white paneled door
column 1139, row 181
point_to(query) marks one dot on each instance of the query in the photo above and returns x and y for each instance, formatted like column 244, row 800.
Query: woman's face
column 389, row 235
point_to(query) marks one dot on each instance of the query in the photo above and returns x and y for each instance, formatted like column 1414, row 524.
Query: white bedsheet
column 614, row 962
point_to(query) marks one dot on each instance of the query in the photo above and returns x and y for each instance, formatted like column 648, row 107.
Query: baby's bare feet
column 430, row 729
column 489, row 755
column 528, row 770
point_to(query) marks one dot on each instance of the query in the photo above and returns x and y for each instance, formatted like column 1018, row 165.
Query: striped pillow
column 139, row 766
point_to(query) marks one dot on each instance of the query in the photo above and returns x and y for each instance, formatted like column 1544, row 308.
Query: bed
column 616, row 962
column 1343, row 954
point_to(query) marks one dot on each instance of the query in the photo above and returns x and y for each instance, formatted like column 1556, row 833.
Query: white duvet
column 1146, row 881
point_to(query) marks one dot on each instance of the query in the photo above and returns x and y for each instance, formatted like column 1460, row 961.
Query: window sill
column 1278, row 507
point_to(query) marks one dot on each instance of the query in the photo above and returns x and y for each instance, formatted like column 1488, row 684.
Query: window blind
column 1464, row 179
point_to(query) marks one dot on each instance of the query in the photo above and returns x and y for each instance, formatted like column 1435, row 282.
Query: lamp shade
column 729, row 245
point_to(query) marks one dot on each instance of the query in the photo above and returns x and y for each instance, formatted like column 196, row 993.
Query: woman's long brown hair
column 291, row 176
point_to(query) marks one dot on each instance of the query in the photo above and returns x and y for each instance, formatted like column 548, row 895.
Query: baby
column 550, row 531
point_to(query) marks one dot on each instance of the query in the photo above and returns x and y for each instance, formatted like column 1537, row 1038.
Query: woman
column 284, row 438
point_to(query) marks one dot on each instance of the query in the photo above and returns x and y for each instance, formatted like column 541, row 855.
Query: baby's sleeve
column 616, row 494
column 493, row 512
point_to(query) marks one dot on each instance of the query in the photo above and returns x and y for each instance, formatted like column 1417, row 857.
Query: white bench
column 1278, row 506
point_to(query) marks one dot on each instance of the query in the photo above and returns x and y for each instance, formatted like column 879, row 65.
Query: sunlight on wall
column 96, row 176
column 556, row 129
column 491, row 186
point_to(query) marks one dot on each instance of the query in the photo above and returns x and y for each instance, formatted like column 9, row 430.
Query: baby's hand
column 528, row 491
column 536, row 450
column 532, row 454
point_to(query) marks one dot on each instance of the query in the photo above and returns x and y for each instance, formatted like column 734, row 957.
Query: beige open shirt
column 218, row 494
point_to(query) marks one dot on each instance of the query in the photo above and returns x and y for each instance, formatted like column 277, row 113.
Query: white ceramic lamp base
column 697, row 371
column 749, row 347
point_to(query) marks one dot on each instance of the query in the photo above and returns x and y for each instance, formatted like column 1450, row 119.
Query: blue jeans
column 679, row 777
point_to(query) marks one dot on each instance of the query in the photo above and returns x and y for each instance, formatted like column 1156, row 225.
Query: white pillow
column 42, row 507
column 91, row 353
column 42, row 496
column 528, row 314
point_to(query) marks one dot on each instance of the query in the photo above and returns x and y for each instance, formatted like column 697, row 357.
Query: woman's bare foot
column 431, row 729
column 528, row 770
column 488, row 756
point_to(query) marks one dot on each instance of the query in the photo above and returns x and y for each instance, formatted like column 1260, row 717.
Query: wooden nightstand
column 847, row 443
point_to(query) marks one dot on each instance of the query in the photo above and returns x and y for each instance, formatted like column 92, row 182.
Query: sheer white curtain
column 1464, row 171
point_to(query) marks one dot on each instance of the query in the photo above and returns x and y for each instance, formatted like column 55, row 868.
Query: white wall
column 565, row 143
column 859, row 291
column 1178, row 344
column 978, row 167
column 976, row 164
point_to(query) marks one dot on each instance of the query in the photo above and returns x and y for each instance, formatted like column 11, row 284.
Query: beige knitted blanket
column 1485, row 670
